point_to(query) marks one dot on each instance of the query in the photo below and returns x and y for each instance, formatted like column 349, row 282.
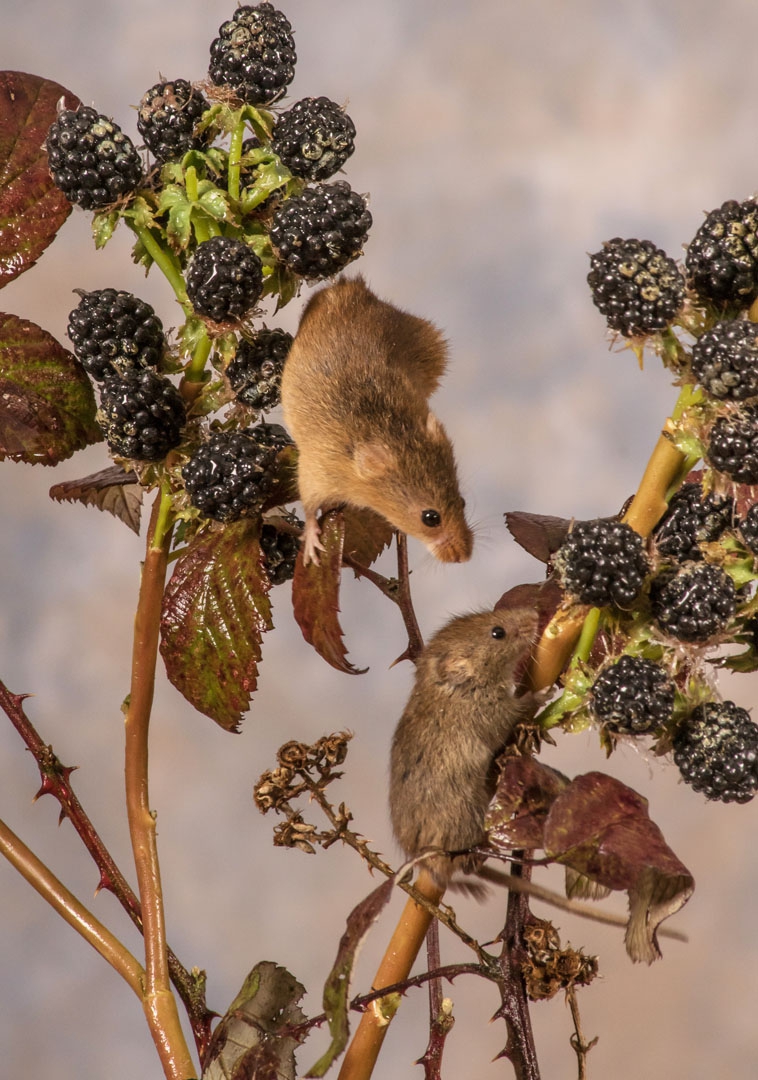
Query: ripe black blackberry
column 230, row 476
column 692, row 520
column 141, row 414
column 748, row 529
column 733, row 445
column 167, row 117
column 254, row 54
column 314, row 138
column 722, row 260
column 695, row 603
column 602, row 562
column 716, row 750
column 633, row 696
column 635, row 285
column 255, row 372
column 224, row 279
column 90, row 158
column 318, row 233
column 280, row 552
column 113, row 331
column 725, row 360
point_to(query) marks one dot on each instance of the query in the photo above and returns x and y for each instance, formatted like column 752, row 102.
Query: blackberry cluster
column 280, row 552
column 635, row 285
column 602, row 562
column 725, row 360
column 255, row 372
column 318, row 233
column 633, row 696
column 733, row 445
column 695, row 603
column 722, row 260
column 254, row 54
column 167, row 117
column 691, row 520
column 716, row 750
column 90, row 158
column 141, row 414
column 314, row 138
column 224, row 279
column 113, row 331
column 749, row 529
column 230, row 476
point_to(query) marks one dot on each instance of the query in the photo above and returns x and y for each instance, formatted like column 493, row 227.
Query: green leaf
column 47, row 407
column 112, row 489
column 246, row 1044
column 103, row 227
column 213, row 201
column 32, row 208
column 215, row 612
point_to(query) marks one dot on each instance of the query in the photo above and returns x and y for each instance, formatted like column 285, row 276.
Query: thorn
column 62, row 816
column 406, row 655
column 46, row 788
column 104, row 882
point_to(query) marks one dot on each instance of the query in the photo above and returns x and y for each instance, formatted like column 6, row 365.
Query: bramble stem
column 164, row 260
column 158, row 1001
column 196, row 367
column 70, row 909
column 235, row 154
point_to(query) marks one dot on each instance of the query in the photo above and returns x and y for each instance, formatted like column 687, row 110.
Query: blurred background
column 499, row 144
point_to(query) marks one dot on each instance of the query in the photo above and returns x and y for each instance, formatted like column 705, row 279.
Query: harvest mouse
column 354, row 393
column 461, row 712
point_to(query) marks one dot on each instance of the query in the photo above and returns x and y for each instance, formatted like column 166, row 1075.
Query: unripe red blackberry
column 318, row 233
column 748, row 529
column 733, row 445
column 141, row 414
column 113, row 332
column 633, row 696
column 255, row 372
column 280, row 552
column 254, row 54
column 91, row 160
column 229, row 476
column 716, row 750
column 725, row 360
column 722, row 260
column 635, row 285
column 692, row 520
column 167, row 117
column 314, row 138
column 224, row 279
column 695, row 603
column 602, row 562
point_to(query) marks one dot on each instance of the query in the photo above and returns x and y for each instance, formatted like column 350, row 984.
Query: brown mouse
column 462, row 710
column 354, row 393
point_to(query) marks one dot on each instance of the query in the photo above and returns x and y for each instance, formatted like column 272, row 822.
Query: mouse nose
column 453, row 547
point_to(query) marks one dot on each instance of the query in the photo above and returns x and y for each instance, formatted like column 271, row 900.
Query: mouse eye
column 431, row 518
column 498, row 631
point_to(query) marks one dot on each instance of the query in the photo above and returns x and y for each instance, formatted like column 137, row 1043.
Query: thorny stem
column 70, row 909
column 441, row 1018
column 56, row 782
column 520, row 1049
column 579, row 1046
column 158, row 1001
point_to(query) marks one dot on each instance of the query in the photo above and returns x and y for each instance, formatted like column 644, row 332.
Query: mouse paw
column 311, row 542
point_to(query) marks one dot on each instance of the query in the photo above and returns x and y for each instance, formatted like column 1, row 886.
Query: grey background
column 500, row 143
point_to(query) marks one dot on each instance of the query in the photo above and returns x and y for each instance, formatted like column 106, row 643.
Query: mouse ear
column 454, row 671
column 372, row 460
column 433, row 426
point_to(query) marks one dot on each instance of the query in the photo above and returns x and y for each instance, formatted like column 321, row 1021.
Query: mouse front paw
column 311, row 541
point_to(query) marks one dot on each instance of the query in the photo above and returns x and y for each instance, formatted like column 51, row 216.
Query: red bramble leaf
column 113, row 489
column 32, row 208
column 215, row 612
column 539, row 534
column 366, row 534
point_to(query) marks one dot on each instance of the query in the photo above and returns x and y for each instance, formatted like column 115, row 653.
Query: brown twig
column 580, row 1047
column 441, row 1017
column 56, row 782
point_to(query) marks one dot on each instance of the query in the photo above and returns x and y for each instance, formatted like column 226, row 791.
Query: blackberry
column 254, row 54
column 91, row 160
column 725, row 360
column 716, row 750
column 692, row 520
column 314, row 138
column 602, row 562
column 280, row 552
column 142, row 415
column 749, row 529
column 167, row 117
column 255, row 373
column 635, row 285
column 722, row 260
column 113, row 331
column 733, row 445
column 633, row 696
column 318, row 233
column 694, row 603
column 224, row 279
column 230, row 476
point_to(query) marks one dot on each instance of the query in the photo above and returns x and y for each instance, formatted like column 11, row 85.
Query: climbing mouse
column 354, row 392
column 461, row 712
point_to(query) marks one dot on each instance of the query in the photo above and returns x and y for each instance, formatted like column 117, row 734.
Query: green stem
column 165, row 517
column 165, row 261
column 235, row 154
column 587, row 637
column 196, row 367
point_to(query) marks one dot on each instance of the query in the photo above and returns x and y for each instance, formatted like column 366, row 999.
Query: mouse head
column 485, row 649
